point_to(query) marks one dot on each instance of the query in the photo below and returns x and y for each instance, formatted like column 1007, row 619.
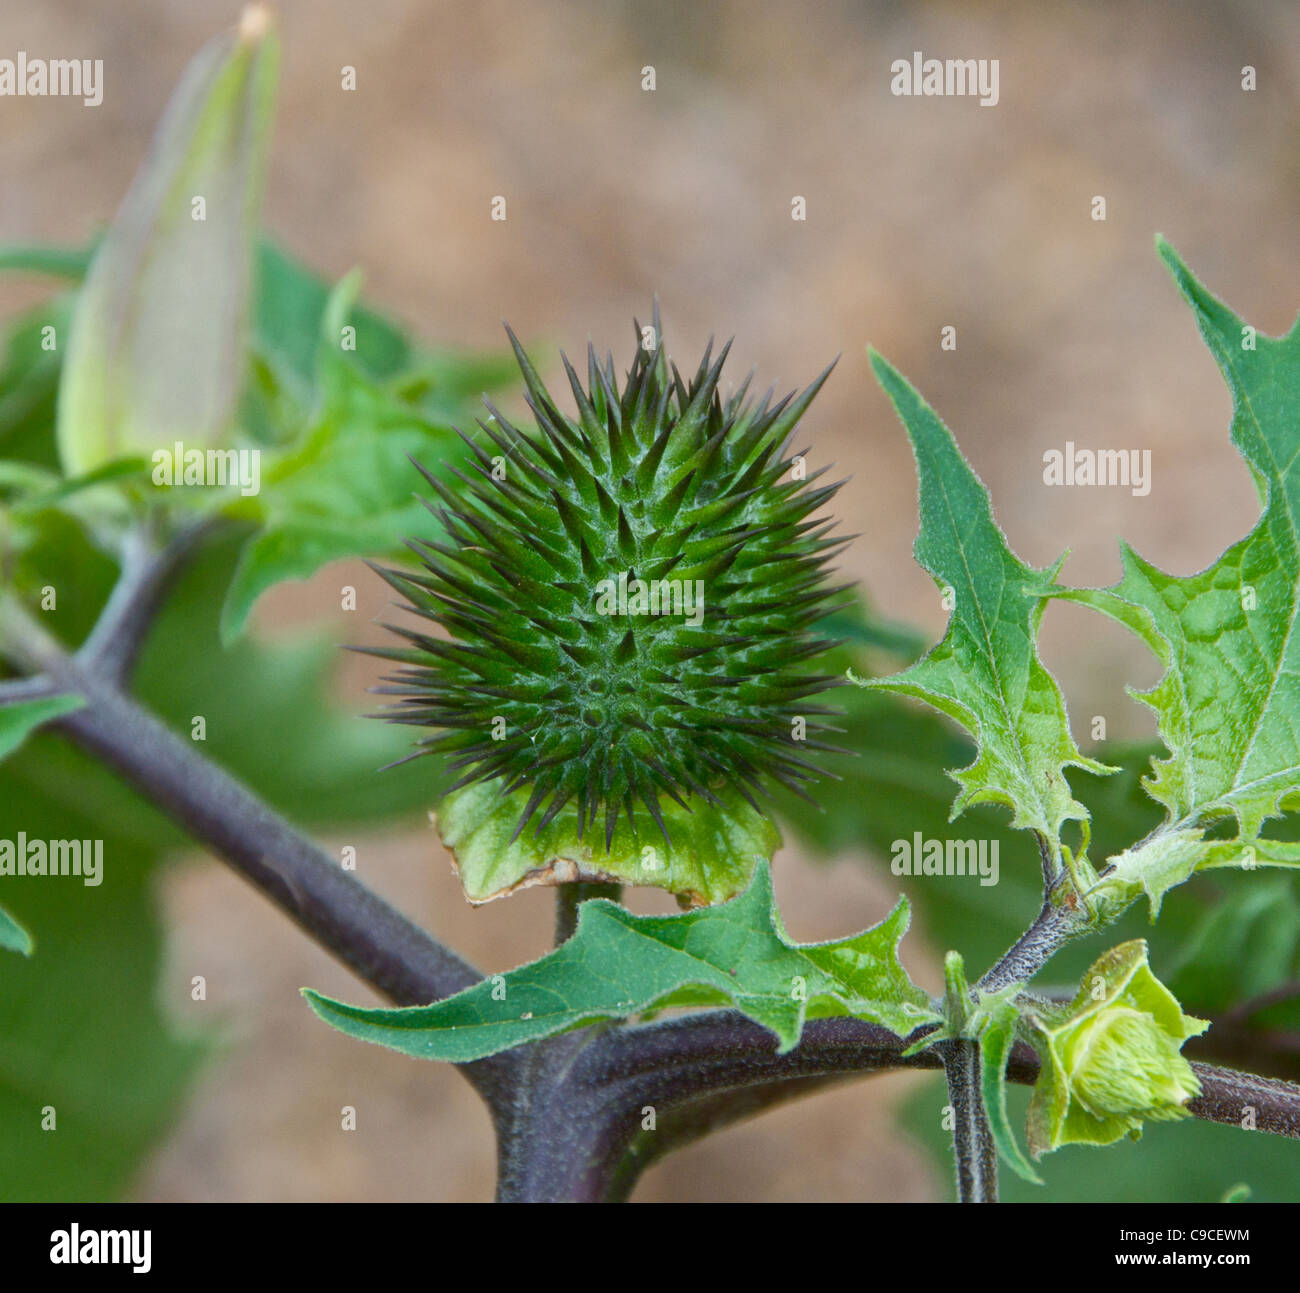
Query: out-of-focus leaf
column 1245, row 945
column 13, row 937
column 348, row 489
column 34, row 544
column 55, row 494
column 82, row 1040
column 19, row 721
column 290, row 308
column 859, row 625
column 58, row 262
column 29, row 383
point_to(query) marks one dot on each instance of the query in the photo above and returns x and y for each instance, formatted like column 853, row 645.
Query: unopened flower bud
column 157, row 350
column 1112, row 1059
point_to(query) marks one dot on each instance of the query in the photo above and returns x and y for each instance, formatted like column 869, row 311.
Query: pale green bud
column 1120, row 1061
column 157, row 351
column 1112, row 1059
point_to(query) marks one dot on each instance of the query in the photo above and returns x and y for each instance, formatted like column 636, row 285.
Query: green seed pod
column 630, row 597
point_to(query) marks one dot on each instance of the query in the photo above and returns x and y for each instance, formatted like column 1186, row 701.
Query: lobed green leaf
column 1228, row 704
column 618, row 965
column 986, row 673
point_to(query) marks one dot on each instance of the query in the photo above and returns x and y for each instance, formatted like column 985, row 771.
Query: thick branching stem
column 148, row 568
column 972, row 1143
column 18, row 691
column 1248, row 1101
column 569, row 898
column 698, row 1073
column 1053, row 927
column 974, row 1152
column 642, row 1090
column 705, row 1071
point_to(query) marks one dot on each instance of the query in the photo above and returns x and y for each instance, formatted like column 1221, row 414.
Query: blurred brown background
column 921, row 212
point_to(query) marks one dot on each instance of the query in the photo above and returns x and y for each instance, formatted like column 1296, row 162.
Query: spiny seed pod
column 629, row 598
